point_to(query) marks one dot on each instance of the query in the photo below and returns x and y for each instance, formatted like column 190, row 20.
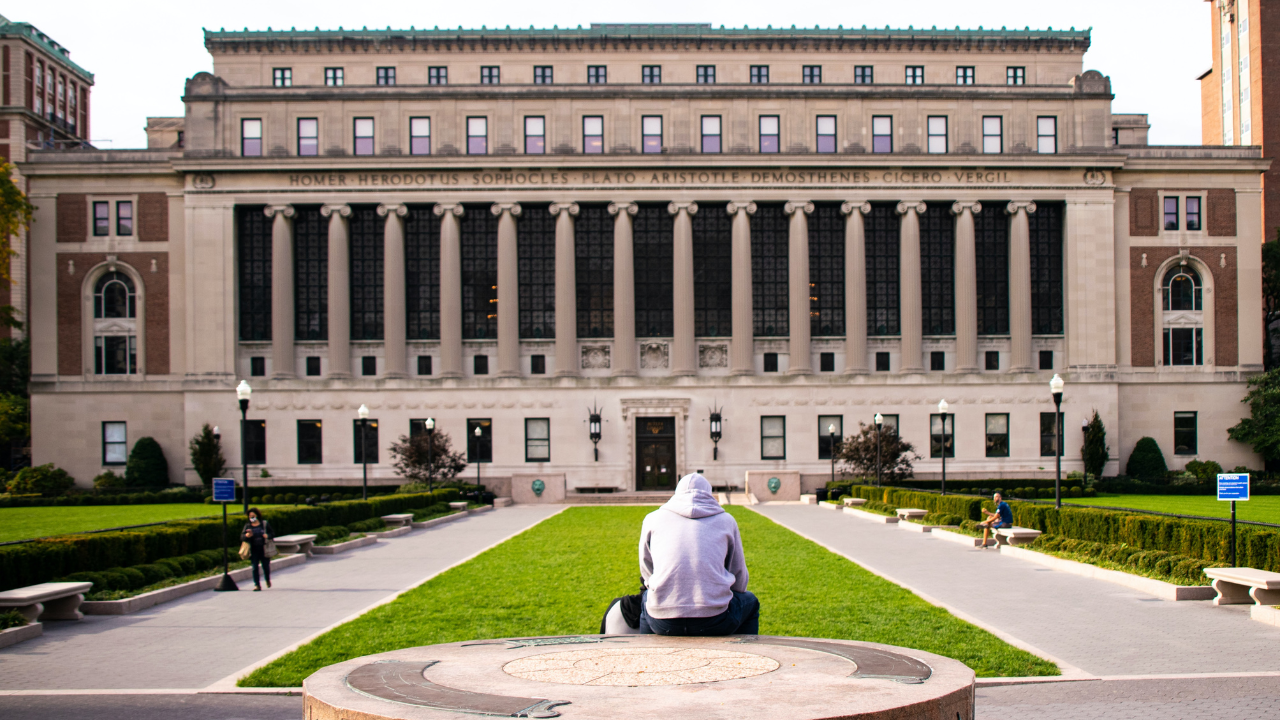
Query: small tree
column 147, row 466
column 47, row 480
column 1147, row 461
column 1095, row 450
column 426, row 458
column 857, row 455
column 206, row 455
column 1261, row 429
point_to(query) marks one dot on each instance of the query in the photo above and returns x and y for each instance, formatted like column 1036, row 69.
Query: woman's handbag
column 269, row 548
column 244, row 551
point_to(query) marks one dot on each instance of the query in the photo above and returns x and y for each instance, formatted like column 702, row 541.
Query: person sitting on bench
column 693, row 568
column 1001, row 518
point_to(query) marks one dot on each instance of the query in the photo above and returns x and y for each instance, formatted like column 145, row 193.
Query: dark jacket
column 260, row 535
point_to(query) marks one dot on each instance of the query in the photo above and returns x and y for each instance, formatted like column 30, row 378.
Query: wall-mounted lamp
column 716, row 432
column 594, row 427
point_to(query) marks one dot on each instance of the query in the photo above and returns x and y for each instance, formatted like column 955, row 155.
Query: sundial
column 593, row 677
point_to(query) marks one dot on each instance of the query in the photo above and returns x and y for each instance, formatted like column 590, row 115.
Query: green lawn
column 1262, row 508
column 558, row 578
column 24, row 523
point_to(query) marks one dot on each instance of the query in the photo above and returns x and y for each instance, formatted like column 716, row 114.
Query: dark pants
column 256, row 557
column 742, row 617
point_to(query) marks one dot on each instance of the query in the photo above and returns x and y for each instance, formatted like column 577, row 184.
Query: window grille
column 366, row 247
column 652, row 238
column 1046, row 269
column 882, row 237
column 770, row 238
column 937, row 270
column 422, row 276
column 826, row 271
column 593, row 267
column 536, row 271
column 712, row 271
column 991, row 249
column 479, row 238
column 255, row 272
column 310, row 274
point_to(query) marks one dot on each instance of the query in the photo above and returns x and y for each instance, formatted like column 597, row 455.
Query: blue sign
column 1233, row 486
column 224, row 490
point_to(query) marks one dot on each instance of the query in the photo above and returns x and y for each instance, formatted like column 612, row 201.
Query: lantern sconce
column 594, row 428
column 716, row 433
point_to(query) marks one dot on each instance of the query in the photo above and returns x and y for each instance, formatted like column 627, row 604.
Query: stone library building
column 606, row 256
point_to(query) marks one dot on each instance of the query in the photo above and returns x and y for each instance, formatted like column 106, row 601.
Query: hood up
column 693, row 498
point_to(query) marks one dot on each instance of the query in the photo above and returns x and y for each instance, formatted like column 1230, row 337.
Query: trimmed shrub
column 147, row 466
column 45, row 480
column 108, row 480
column 1075, row 491
column 154, row 573
column 290, row 498
column 370, row 525
column 11, row 619
column 1146, row 461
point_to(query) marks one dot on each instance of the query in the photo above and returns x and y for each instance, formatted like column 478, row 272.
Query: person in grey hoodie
column 693, row 568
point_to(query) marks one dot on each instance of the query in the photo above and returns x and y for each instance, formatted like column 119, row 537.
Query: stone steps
column 623, row 498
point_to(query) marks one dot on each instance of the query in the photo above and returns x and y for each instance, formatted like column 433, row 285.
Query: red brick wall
column 1144, row 212
column 155, row 287
column 153, row 217
column 73, row 217
column 1222, row 213
column 1142, row 280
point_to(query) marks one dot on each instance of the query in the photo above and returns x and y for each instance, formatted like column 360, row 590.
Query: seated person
column 693, row 568
column 1001, row 518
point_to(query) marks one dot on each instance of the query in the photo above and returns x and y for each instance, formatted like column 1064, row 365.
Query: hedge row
column 968, row 508
column 43, row 560
column 138, row 498
column 1176, row 568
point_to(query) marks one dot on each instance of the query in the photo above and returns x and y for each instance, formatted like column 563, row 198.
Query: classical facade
column 507, row 231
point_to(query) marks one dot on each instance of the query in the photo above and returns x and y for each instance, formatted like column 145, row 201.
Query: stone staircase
column 643, row 497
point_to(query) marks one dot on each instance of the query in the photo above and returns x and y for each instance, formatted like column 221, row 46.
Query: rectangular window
column 124, row 217
column 537, row 440
column 490, row 75
column 1048, row 434
column 437, row 76
column 826, row 133
column 771, row 362
column 593, row 135
column 362, row 129
column 480, row 365
column 424, row 364
column 759, row 74
column 882, row 362
column 964, row 75
column 333, row 77
column 1184, row 433
column 937, row 126
column 255, row 442
column 1046, row 359
column 366, row 451
column 542, row 75
column 997, row 435
column 1183, row 346
column 597, row 74
column 115, row 444
column 420, row 136
column 308, row 136
column 992, row 134
column 313, row 366
column 535, row 136
column 310, row 443
column 993, row 359
column 710, row 133
column 890, row 424
column 881, row 134
column 477, row 136
column 651, row 74
column 537, row 364
column 369, row 365
column 115, row 354
column 937, row 361
column 706, row 74
column 863, row 75
column 101, row 219
column 1193, row 213
column 1115, row 136
column 768, row 133
column 257, row 366
column 830, row 434
column 811, row 74
column 942, row 436
column 251, row 137
column 1171, row 213
column 773, row 437
column 282, row 77
column 386, row 76
column 915, row 74
column 1047, row 135
column 651, row 134
column 1015, row 76
column 479, row 445
column 826, row 362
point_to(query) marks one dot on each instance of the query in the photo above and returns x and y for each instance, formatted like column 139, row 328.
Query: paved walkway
column 1101, row 628
column 203, row 638
column 1256, row 698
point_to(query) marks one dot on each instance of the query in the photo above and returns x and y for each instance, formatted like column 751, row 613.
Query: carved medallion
column 653, row 356
column 203, row 181
column 595, row 357
column 713, row 356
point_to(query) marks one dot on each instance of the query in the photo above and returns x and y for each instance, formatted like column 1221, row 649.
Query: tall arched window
column 115, row 337
column 113, row 297
column 1183, row 321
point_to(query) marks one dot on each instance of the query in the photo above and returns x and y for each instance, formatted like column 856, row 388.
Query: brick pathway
column 1184, row 699
column 203, row 638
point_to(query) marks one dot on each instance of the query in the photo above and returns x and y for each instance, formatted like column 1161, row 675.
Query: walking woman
column 260, row 538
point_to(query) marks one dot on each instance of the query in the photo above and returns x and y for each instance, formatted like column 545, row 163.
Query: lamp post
column 942, row 408
column 1055, row 387
column 831, row 442
column 243, row 391
column 363, row 412
column 716, row 434
column 478, row 435
column 879, row 419
column 430, row 425
column 593, row 429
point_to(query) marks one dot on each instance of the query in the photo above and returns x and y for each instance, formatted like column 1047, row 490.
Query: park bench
column 854, row 502
column 289, row 544
column 47, row 601
column 398, row 520
column 911, row 513
column 461, row 505
column 1237, row 586
column 1015, row 535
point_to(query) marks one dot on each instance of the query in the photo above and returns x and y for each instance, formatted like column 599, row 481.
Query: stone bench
column 1015, row 535
column 47, row 601
column 1238, row 586
column 854, row 502
column 461, row 505
column 911, row 513
column 290, row 544
column 398, row 520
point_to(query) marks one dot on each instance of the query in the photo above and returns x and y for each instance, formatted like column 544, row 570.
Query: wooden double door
column 656, row 453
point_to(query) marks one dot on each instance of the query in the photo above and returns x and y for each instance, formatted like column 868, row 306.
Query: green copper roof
column 9, row 28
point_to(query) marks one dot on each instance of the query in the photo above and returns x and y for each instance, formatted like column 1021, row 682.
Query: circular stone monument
column 638, row 677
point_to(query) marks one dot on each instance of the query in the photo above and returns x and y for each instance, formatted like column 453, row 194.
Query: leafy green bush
column 941, row 519
column 430, row 511
column 290, row 498
column 11, row 619
column 1168, row 566
column 328, row 533
column 45, row 480
column 1075, row 491
column 1206, row 471
column 1146, row 461
column 147, row 466
column 370, row 525
column 108, row 480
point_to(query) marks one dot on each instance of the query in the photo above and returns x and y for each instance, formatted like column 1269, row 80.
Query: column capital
column 273, row 210
column 802, row 205
column 499, row 208
column 569, row 207
column 847, row 207
column 959, row 207
column 399, row 209
column 734, row 208
column 675, row 207
column 342, row 209
column 905, row 207
column 629, row 208
column 452, row 208
column 1016, row 206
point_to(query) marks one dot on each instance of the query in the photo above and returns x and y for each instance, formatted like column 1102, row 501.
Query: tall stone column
column 801, row 361
column 282, row 331
column 450, row 289
column 684, row 352
column 623, row 360
column 394, row 298
column 742, row 348
column 966, row 264
column 339, row 289
column 566, row 291
column 855, row 287
column 1020, row 285
column 508, row 290
column 909, row 284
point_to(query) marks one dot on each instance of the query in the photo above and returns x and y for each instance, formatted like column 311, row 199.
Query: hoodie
column 691, row 554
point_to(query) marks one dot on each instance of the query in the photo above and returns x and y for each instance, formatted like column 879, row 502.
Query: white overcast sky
column 141, row 51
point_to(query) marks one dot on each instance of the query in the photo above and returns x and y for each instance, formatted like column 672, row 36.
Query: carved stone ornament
column 537, row 487
column 203, row 181
column 595, row 357
column 713, row 356
column 654, row 356
column 1095, row 177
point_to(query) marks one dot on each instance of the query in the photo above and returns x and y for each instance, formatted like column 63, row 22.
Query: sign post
column 224, row 491
column 1233, row 487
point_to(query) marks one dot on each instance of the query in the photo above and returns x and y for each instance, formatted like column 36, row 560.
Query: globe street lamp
column 1055, row 387
column 243, row 391
column 942, row 408
column 831, row 442
column 363, row 412
column 879, row 420
column 430, row 425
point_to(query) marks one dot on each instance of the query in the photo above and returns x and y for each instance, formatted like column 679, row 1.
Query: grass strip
column 558, row 578
column 1260, row 508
